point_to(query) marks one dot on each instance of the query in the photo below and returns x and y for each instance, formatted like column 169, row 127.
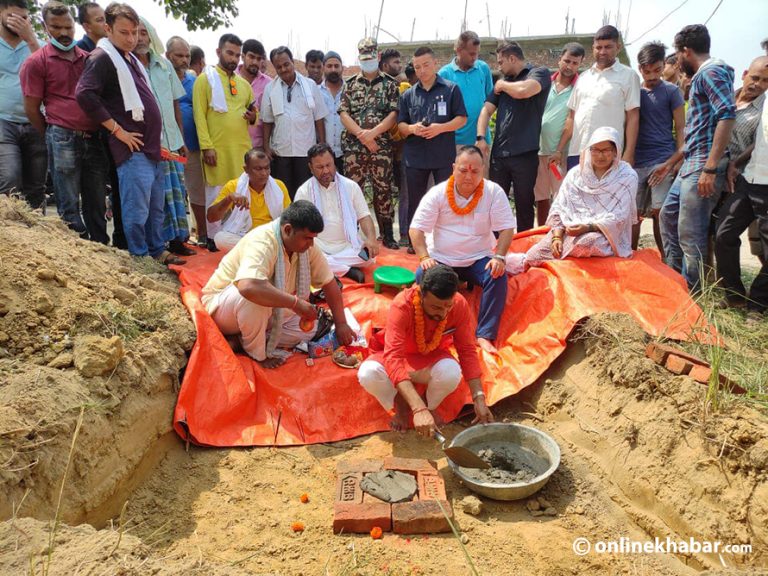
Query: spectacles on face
column 232, row 86
column 601, row 151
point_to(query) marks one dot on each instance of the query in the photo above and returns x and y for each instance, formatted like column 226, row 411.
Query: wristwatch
column 709, row 170
column 478, row 138
column 500, row 257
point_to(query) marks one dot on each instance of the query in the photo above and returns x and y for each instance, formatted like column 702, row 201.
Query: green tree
column 197, row 14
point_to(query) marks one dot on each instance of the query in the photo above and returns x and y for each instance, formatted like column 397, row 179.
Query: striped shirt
column 745, row 126
column 711, row 100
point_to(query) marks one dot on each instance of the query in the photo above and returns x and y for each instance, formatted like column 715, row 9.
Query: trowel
column 461, row 456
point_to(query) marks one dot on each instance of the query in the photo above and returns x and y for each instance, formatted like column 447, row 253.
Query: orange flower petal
column 297, row 526
column 376, row 533
column 304, row 498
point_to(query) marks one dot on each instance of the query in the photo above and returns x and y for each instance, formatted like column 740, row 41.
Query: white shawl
column 608, row 202
column 276, row 93
column 218, row 101
column 348, row 214
column 239, row 221
column 131, row 97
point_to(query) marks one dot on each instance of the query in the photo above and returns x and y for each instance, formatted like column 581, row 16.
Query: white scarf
column 239, row 222
column 278, row 281
column 218, row 101
column 608, row 202
column 131, row 97
column 276, row 93
column 348, row 214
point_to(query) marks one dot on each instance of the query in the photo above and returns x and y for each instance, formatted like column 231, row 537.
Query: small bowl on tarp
column 522, row 458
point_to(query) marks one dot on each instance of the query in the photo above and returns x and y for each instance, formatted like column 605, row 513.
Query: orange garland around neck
column 477, row 195
column 418, row 312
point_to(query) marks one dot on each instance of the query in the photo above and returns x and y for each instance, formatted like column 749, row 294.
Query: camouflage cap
column 367, row 46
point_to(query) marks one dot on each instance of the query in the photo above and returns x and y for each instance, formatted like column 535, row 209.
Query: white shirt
column 332, row 239
column 294, row 130
column 756, row 171
column 602, row 98
column 461, row 240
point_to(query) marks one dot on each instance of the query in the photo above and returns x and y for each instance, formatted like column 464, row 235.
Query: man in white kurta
column 462, row 215
column 343, row 207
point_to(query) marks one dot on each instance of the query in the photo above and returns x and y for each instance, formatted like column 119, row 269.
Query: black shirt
column 98, row 93
column 518, row 121
column 440, row 104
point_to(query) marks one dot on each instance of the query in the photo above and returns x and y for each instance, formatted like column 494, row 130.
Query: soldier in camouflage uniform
column 368, row 110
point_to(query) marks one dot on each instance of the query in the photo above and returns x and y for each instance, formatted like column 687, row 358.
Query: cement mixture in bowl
column 510, row 464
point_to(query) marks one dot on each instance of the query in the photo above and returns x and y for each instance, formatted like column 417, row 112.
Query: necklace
column 477, row 195
column 437, row 336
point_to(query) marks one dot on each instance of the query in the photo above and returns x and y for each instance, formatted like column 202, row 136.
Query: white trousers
column 341, row 262
column 225, row 241
column 235, row 315
column 441, row 379
column 210, row 195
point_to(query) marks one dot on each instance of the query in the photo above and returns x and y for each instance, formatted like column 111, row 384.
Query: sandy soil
column 642, row 455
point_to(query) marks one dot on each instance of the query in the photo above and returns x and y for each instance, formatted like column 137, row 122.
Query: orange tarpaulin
column 228, row 400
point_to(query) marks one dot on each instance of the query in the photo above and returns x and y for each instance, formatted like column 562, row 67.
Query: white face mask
column 369, row 66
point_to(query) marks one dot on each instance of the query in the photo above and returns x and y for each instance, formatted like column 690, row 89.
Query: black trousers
column 292, row 170
column 748, row 201
column 417, row 180
column 519, row 172
column 118, row 235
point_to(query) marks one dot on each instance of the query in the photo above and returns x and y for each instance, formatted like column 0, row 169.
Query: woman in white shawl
column 593, row 213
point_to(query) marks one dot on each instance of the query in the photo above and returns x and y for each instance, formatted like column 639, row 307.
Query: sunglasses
column 232, row 86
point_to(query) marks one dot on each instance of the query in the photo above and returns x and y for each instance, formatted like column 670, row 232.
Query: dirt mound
column 87, row 330
column 82, row 326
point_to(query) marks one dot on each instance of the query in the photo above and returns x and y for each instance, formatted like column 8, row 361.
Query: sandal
column 178, row 247
column 167, row 258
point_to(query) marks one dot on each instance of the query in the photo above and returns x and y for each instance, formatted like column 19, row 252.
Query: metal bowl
column 530, row 446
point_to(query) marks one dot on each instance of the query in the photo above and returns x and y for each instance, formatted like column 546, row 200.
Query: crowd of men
column 119, row 110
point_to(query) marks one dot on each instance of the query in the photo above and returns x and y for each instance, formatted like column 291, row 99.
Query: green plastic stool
column 396, row 276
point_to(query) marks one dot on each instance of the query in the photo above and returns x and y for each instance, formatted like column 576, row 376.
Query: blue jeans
column 684, row 221
column 23, row 162
column 78, row 164
column 493, row 299
column 142, row 198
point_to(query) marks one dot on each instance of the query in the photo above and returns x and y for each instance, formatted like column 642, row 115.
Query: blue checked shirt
column 711, row 100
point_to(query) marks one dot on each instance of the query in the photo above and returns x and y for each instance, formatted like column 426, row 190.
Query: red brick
column 363, row 466
column 677, row 365
column 361, row 518
column 421, row 517
column 348, row 489
column 659, row 352
column 700, row 373
column 411, row 465
column 431, row 487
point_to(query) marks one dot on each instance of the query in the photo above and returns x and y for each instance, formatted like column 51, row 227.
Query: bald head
column 755, row 79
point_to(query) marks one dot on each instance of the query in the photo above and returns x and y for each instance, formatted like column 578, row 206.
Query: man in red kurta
column 422, row 324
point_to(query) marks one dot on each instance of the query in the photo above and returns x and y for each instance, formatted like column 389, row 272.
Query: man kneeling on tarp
column 260, row 290
column 251, row 200
column 421, row 325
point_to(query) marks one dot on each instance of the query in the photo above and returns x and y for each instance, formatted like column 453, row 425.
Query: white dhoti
column 211, row 193
column 441, row 379
column 225, row 241
column 342, row 261
column 235, row 315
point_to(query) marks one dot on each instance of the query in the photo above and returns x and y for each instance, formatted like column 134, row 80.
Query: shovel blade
column 465, row 458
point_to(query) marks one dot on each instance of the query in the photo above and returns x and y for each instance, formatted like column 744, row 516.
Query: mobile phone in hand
column 364, row 254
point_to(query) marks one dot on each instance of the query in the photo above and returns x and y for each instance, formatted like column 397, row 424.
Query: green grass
column 128, row 322
column 742, row 354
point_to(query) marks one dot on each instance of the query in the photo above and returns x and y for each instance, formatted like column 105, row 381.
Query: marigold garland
column 477, row 195
column 437, row 336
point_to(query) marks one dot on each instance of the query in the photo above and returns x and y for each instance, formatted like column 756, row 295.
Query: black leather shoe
column 356, row 274
column 210, row 245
